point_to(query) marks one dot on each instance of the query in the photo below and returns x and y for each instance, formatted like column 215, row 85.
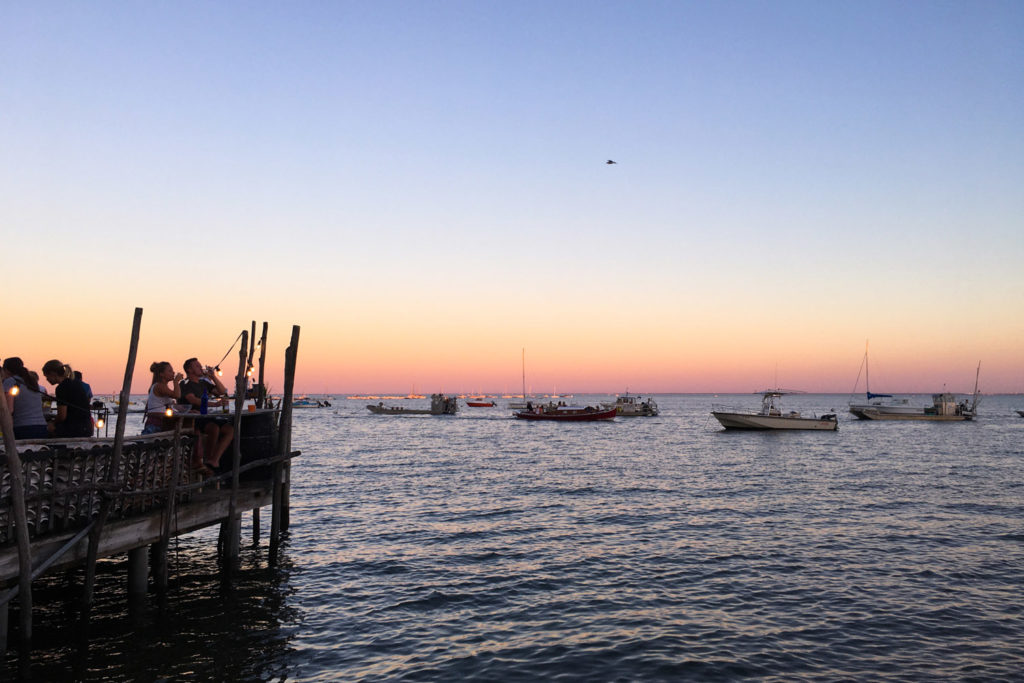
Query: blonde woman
column 163, row 392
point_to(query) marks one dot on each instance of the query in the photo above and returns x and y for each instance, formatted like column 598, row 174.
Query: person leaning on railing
column 73, row 419
column 24, row 400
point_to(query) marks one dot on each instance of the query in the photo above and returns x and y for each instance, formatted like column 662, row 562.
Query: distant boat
column 439, row 405
column 475, row 403
column 307, row 402
column 945, row 408
column 633, row 406
column 771, row 417
column 1021, row 413
column 880, row 404
column 561, row 413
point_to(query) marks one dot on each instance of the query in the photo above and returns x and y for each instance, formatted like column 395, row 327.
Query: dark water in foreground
column 479, row 547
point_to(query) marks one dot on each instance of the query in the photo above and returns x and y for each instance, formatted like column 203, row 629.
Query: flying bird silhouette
column 611, row 162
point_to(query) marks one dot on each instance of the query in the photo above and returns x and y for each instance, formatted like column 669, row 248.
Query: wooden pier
column 64, row 503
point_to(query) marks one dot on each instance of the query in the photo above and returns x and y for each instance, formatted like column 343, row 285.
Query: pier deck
column 205, row 508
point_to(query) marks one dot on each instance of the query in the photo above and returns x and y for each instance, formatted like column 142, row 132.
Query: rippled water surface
column 480, row 547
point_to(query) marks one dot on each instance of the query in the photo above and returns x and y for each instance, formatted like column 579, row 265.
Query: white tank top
column 157, row 404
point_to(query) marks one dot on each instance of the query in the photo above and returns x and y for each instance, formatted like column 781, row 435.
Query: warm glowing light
column 169, row 413
column 99, row 423
column 15, row 390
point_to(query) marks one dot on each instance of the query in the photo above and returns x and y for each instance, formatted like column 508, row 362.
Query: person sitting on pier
column 24, row 400
column 217, row 434
column 73, row 419
column 163, row 393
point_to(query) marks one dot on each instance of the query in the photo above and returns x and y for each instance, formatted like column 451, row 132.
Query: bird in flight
column 611, row 162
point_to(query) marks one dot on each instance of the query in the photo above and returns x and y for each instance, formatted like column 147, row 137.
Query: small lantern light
column 15, row 390
column 169, row 412
column 99, row 423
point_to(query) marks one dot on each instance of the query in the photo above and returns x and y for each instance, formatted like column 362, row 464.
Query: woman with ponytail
column 73, row 419
column 161, row 396
column 23, row 400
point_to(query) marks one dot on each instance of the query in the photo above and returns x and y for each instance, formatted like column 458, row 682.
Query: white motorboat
column 771, row 417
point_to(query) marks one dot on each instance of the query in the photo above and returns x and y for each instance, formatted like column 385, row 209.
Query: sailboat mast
column 974, row 406
column 524, row 373
column 867, row 369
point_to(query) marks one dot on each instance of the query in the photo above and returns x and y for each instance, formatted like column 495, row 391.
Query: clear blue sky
column 818, row 149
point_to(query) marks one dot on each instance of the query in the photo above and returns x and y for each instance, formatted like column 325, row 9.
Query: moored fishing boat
column 633, row 406
column 771, row 417
column 945, row 408
column 439, row 405
column 563, row 413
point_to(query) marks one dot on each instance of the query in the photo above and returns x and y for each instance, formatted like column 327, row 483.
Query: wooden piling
column 160, row 573
column 122, row 420
column 233, row 530
column 261, row 396
column 138, row 570
column 286, row 484
column 256, row 527
column 278, row 519
column 16, row 474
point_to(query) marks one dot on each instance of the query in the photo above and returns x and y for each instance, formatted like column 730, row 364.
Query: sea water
column 482, row 547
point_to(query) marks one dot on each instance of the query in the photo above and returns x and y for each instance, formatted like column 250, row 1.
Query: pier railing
column 66, row 480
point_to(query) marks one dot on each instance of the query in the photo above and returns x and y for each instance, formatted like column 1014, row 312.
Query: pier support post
column 138, row 570
column 4, row 611
column 255, row 526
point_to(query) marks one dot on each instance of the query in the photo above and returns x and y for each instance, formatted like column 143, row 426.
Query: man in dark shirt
column 217, row 434
column 73, row 417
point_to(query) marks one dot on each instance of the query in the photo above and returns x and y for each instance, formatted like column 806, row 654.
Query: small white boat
column 879, row 404
column 771, row 417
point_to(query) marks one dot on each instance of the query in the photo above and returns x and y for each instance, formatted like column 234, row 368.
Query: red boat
column 480, row 404
column 566, row 413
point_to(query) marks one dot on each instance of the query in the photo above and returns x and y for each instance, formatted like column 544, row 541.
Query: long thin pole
column 233, row 541
column 126, row 390
column 14, row 468
column 524, row 373
column 289, row 390
column 261, row 396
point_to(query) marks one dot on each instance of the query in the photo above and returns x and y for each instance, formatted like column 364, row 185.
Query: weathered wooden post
column 16, row 472
column 286, row 491
column 252, row 350
column 122, row 418
column 261, row 396
column 233, row 530
column 160, row 574
column 277, row 524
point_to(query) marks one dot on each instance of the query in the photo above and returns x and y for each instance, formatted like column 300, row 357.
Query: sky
column 422, row 188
